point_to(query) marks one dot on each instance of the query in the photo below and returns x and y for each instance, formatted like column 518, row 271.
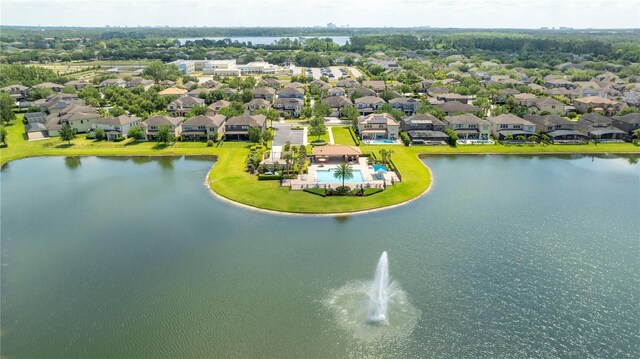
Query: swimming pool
column 381, row 142
column 379, row 167
column 326, row 176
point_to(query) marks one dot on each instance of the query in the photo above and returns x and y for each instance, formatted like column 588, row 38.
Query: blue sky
column 377, row 13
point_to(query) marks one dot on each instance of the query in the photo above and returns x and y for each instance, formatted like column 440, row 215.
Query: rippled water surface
column 507, row 256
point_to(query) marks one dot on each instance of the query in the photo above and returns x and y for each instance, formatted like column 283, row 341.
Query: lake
column 266, row 40
column 506, row 256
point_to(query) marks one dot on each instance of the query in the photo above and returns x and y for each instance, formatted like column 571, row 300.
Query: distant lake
column 506, row 257
column 267, row 40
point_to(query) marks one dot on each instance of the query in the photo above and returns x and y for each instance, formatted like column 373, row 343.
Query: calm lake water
column 506, row 257
column 267, row 40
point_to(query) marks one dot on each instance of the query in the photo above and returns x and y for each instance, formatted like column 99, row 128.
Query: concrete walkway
column 305, row 137
column 330, row 132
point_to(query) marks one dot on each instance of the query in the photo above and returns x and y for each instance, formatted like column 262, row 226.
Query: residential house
column 455, row 107
column 510, row 125
column 468, row 126
column 211, row 84
column 407, row 105
column 78, row 84
column 167, row 83
column 257, row 104
column 368, row 104
column 265, row 93
column 548, row 104
column 599, row 128
column 36, row 131
column 336, row 104
column 628, row 123
column 347, row 83
column 558, row 129
column 273, row 83
column 183, row 105
column 238, row 126
column 289, row 107
column 438, row 90
column 378, row 126
column 336, row 91
column 550, row 82
column 597, row 104
column 17, row 92
column 424, row 128
column 229, row 91
column 199, row 92
column 152, row 125
column 80, row 118
column 377, row 86
column 50, row 85
column 320, row 84
column 364, row 91
column 202, row 128
column 146, row 84
column 189, row 85
column 173, row 91
column 113, row 82
column 115, row 127
column 451, row 97
column 216, row 106
column 291, row 92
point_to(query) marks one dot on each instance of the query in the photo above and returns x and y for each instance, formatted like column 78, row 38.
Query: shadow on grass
column 161, row 146
column 133, row 143
column 64, row 145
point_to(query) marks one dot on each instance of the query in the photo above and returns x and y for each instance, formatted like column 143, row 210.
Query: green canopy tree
column 164, row 134
column 159, row 71
column 136, row 133
column 3, row 136
column 255, row 134
column 6, row 108
column 67, row 133
column 317, row 127
column 271, row 115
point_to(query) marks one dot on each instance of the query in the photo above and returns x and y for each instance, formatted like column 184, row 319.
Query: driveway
column 284, row 133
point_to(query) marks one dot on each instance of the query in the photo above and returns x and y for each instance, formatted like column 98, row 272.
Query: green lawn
column 228, row 178
column 342, row 136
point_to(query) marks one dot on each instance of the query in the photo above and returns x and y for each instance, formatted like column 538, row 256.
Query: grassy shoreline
column 228, row 179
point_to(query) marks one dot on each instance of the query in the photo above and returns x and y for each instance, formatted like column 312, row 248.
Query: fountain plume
column 381, row 290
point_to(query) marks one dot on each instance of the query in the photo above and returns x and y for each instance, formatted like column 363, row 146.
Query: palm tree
column 288, row 157
column 343, row 171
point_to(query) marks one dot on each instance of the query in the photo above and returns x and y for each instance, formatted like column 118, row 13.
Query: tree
column 255, row 134
column 317, row 127
column 164, row 134
column 159, row 71
column 136, row 133
column 67, row 133
column 3, row 136
column 483, row 103
column 6, row 108
column 270, row 113
column 267, row 135
column 321, row 110
column 288, row 157
column 116, row 111
column 544, row 138
column 196, row 111
column 343, row 172
column 387, row 95
column 99, row 133
column 39, row 93
column 69, row 90
column 385, row 155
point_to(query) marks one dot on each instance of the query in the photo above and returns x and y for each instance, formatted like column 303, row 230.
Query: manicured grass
column 341, row 136
column 228, row 178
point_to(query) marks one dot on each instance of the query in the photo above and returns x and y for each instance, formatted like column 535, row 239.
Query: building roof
column 595, row 100
column 368, row 99
column 335, row 150
column 595, row 118
column 35, row 117
column 365, row 91
column 247, row 120
column 172, row 91
column 162, row 120
column 188, row 101
column 464, row 119
column 263, row 91
column 546, row 101
column 427, row 134
column 508, row 119
column 376, row 85
column 117, row 121
column 202, row 120
column 378, row 119
column 339, row 90
column 48, row 85
column 219, row 104
column 336, row 101
column 35, row 127
column 424, row 118
column 403, row 100
column 630, row 118
column 547, row 120
column 262, row 102
column 289, row 101
column 455, row 106
column 291, row 91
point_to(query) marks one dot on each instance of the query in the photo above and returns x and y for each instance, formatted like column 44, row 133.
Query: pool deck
column 371, row 179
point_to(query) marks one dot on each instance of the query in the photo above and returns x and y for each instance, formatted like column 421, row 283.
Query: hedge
column 405, row 138
column 269, row 177
column 353, row 136
column 371, row 191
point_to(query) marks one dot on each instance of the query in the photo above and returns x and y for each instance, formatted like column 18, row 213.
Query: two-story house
column 628, row 123
column 17, row 92
column 455, row 107
column 599, row 128
column 50, row 85
column 289, row 107
column 265, row 93
column 320, row 84
column 291, row 92
column 450, row 97
column 80, row 118
column 216, row 106
column 425, row 129
column 407, row 105
column 152, row 125
column 347, row 83
column 468, row 126
column 547, row 104
column 113, row 82
column 378, row 126
column 557, row 128
column 377, row 86
column 144, row 83
column 183, row 105
column 115, row 127
column 238, row 126
column 336, row 104
column 257, row 104
column 336, row 91
column 510, row 125
column 202, row 128
column 597, row 104
column 368, row 104
column 270, row 82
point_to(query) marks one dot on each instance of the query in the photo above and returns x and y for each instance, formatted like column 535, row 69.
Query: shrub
column 317, row 191
column 371, row 191
column 342, row 190
column 405, row 138
column 118, row 139
column 90, row 136
column 355, row 138
column 264, row 177
column 209, row 143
